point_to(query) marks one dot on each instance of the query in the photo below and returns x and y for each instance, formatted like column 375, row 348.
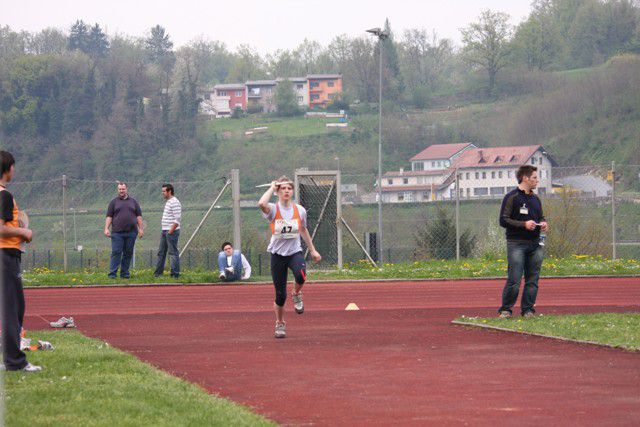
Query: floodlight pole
column 381, row 36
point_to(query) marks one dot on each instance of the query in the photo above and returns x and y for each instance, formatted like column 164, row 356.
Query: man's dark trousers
column 168, row 242
column 12, row 311
column 122, row 244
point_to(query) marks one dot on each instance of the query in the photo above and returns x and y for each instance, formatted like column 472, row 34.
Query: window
column 408, row 196
column 332, row 95
column 439, row 163
column 315, row 96
column 499, row 174
column 313, row 84
column 533, row 160
column 222, row 93
column 299, row 86
column 255, row 91
column 238, row 93
column 390, row 181
column 477, row 175
column 493, row 175
column 300, row 99
column 405, row 180
column 426, row 195
column 496, row 191
column 467, row 175
column 508, row 174
column 418, row 166
column 484, row 175
column 540, row 160
column 433, row 164
column 482, row 191
column 330, row 83
column 460, row 176
column 400, row 197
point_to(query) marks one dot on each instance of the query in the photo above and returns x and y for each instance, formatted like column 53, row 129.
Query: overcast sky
column 267, row 25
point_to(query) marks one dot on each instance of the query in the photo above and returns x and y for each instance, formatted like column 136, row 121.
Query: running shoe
column 528, row 314
column 297, row 303
column 63, row 322
column 505, row 314
column 281, row 330
column 31, row 368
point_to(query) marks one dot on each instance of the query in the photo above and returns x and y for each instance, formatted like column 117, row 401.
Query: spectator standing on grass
column 233, row 265
column 521, row 214
column 12, row 235
column 170, row 233
column 123, row 225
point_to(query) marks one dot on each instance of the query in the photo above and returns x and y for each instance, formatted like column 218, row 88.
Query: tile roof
column 498, row 156
column 231, row 86
column 440, row 151
column 324, row 76
column 416, row 173
column 261, row 83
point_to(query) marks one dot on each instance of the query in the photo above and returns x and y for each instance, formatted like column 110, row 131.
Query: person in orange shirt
column 288, row 223
column 12, row 235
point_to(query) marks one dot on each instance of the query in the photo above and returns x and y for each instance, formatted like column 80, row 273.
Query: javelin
column 269, row 185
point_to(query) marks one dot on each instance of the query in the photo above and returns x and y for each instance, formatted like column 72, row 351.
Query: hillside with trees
column 96, row 106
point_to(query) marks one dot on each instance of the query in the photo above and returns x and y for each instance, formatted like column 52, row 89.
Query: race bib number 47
column 286, row 228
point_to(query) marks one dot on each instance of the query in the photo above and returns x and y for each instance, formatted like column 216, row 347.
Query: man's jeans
column 523, row 257
column 168, row 242
column 222, row 264
column 122, row 244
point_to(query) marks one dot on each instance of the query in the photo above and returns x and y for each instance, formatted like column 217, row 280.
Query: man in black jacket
column 521, row 214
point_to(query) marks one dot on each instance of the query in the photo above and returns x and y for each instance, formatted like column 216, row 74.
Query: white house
column 482, row 173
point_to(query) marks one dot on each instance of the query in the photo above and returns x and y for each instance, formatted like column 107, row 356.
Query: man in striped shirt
column 170, row 233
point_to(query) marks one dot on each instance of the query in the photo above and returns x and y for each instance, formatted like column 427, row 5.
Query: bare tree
column 486, row 43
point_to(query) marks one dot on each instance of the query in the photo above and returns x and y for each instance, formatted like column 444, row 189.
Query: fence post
column 150, row 258
column 339, row 216
column 235, row 195
column 457, row 216
column 97, row 258
column 49, row 259
column 33, row 259
column 81, row 261
column 64, row 222
column 613, row 209
column 259, row 264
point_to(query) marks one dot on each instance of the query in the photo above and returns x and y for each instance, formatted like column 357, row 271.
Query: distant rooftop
column 229, row 86
column 260, row 83
column 440, row 151
column 324, row 76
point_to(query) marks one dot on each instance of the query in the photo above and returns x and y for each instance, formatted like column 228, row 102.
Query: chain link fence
column 592, row 210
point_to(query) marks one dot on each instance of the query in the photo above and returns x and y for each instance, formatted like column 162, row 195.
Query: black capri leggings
column 279, row 266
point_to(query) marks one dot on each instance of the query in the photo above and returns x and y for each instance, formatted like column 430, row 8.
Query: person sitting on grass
column 232, row 264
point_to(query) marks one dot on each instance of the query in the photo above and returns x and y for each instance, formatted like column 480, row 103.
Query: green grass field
column 578, row 265
column 85, row 382
column 614, row 329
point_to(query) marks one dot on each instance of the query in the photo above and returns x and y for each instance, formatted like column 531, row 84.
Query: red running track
column 396, row 361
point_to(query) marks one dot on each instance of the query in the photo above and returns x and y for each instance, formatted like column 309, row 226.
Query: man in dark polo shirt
column 124, row 216
column 521, row 214
column 12, row 235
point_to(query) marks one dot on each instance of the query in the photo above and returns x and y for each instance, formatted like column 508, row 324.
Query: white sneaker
column 297, row 303
column 281, row 330
column 31, row 368
column 63, row 322
column 25, row 344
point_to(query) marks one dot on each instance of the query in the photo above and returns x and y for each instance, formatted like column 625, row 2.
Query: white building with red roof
column 482, row 172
